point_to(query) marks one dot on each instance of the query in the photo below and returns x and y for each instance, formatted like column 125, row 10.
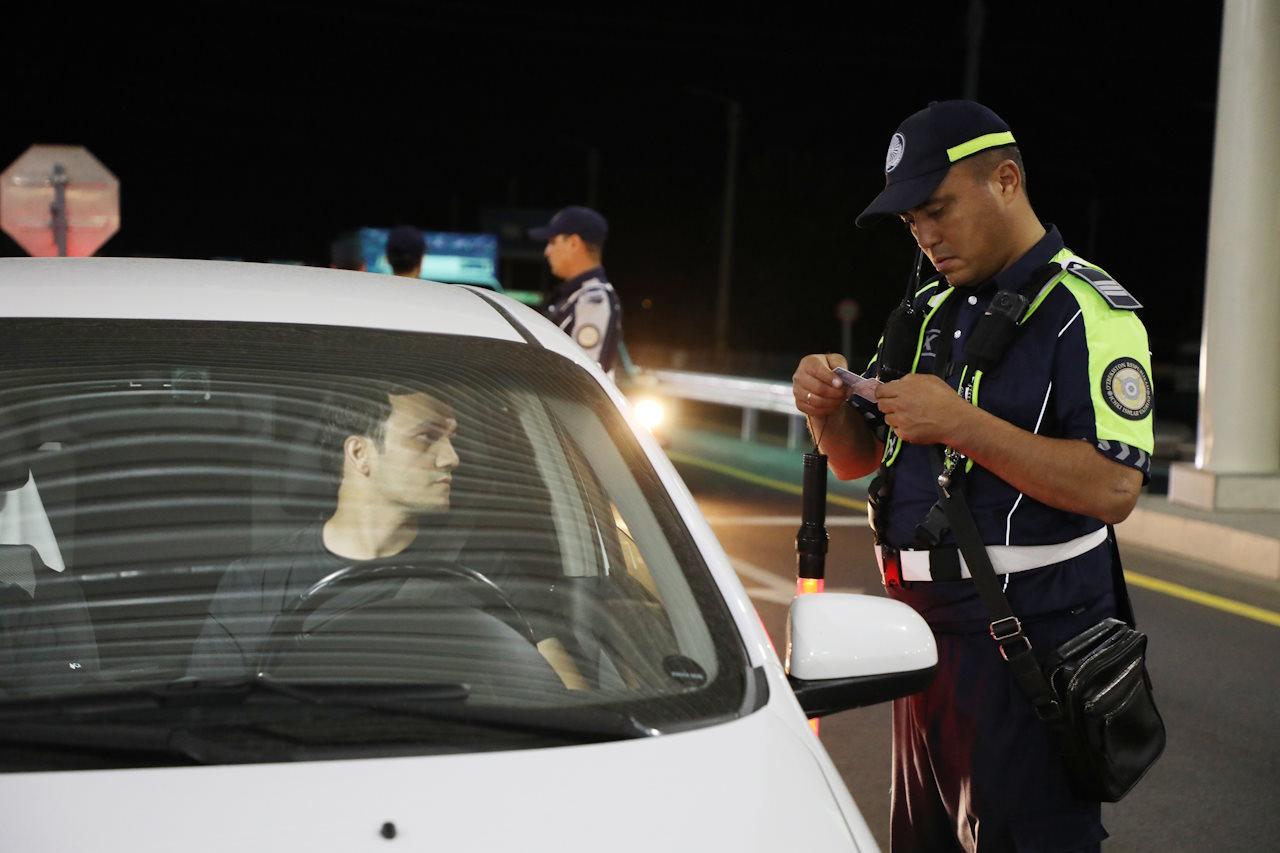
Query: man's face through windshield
column 413, row 468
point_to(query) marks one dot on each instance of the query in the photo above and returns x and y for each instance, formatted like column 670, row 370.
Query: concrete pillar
column 1238, row 443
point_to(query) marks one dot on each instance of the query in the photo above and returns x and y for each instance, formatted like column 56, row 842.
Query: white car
column 489, row 616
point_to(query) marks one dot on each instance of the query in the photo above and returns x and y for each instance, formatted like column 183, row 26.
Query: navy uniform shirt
column 587, row 309
column 1079, row 368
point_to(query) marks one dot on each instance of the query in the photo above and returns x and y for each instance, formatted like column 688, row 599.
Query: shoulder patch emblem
column 1127, row 389
column 1109, row 288
column 587, row 336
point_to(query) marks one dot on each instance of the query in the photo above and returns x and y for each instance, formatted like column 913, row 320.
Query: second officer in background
column 585, row 305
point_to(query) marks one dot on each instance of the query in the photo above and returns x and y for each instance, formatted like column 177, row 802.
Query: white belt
column 1005, row 559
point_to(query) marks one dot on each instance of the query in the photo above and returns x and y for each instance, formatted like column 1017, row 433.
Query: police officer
column 585, row 305
column 405, row 249
column 1053, row 443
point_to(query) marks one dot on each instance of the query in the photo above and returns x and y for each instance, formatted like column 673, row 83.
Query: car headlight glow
column 651, row 412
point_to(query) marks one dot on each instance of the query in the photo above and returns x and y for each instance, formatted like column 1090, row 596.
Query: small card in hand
column 862, row 386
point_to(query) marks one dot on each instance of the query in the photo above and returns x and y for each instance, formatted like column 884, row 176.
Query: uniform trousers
column 973, row 767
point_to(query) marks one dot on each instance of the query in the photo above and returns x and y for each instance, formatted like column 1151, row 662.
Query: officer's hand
column 817, row 391
column 921, row 408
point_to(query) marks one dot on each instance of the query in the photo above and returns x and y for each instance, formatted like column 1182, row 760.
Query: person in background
column 345, row 253
column 405, row 248
column 585, row 305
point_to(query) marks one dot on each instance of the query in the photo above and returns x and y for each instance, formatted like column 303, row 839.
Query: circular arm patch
column 1127, row 389
column 587, row 336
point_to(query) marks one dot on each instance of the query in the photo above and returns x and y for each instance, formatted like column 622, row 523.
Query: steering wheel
column 288, row 626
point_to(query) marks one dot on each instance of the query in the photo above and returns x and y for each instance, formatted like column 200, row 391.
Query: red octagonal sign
column 29, row 191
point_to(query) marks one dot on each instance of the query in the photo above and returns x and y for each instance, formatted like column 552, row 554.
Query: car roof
column 169, row 289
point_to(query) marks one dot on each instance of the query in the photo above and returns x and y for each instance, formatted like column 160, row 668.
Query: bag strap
column 1124, row 607
column 1005, row 628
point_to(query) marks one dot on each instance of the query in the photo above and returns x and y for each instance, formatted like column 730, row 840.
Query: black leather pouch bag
column 1093, row 691
column 1111, row 732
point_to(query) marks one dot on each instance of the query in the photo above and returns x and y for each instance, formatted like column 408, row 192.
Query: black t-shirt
column 257, row 589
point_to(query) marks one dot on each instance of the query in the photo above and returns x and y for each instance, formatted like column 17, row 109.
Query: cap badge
column 897, row 145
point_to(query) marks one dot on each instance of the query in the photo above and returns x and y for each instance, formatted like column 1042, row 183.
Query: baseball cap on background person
column 405, row 248
column 583, row 221
column 924, row 148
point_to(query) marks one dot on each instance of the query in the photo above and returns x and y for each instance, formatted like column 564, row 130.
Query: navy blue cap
column 405, row 247
column 924, row 148
column 406, row 240
column 583, row 221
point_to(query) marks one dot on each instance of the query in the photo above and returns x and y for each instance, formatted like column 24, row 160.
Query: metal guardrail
column 753, row 396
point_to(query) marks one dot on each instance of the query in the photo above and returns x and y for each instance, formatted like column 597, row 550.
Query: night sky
column 261, row 130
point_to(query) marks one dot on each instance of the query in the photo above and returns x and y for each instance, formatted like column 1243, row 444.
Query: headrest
column 14, row 453
column 18, row 564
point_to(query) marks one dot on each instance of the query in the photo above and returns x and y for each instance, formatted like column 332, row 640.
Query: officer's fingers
column 812, row 404
column 815, row 398
column 819, row 367
column 835, row 359
column 818, row 408
column 807, row 384
column 811, row 367
column 900, row 427
column 819, row 380
column 810, row 361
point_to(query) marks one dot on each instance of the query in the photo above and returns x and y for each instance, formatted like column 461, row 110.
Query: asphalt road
column 1216, row 675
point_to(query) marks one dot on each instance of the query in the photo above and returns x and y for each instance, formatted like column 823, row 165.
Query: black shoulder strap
column 1004, row 627
column 1124, row 607
column 1000, row 323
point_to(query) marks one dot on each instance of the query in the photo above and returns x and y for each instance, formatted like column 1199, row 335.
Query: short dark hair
column 358, row 409
column 405, row 248
column 345, row 253
column 595, row 250
column 983, row 162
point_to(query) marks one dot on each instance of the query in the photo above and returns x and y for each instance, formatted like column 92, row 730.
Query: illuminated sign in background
column 452, row 257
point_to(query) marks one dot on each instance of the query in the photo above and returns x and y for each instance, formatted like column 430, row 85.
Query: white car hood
column 750, row 785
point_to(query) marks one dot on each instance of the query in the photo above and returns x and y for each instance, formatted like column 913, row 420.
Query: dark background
column 261, row 130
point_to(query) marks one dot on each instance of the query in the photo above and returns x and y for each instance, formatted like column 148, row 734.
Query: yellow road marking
column 767, row 482
column 1176, row 590
column 1206, row 599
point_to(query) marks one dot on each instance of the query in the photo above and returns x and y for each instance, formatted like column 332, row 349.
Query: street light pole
column 593, row 177
column 973, row 57
column 726, row 231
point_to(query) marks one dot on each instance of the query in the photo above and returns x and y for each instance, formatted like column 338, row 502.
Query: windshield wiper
column 447, row 703
column 208, row 691
column 443, row 701
column 212, row 692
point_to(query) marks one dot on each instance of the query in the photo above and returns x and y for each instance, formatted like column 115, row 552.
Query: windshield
column 286, row 543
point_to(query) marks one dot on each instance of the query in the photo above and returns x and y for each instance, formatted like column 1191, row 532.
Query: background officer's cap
column 583, row 221
column 406, row 241
column 925, row 146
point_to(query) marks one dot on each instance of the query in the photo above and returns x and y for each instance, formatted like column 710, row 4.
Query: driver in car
column 393, row 451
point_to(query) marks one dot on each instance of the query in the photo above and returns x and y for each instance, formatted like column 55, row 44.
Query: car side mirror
column 847, row 651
